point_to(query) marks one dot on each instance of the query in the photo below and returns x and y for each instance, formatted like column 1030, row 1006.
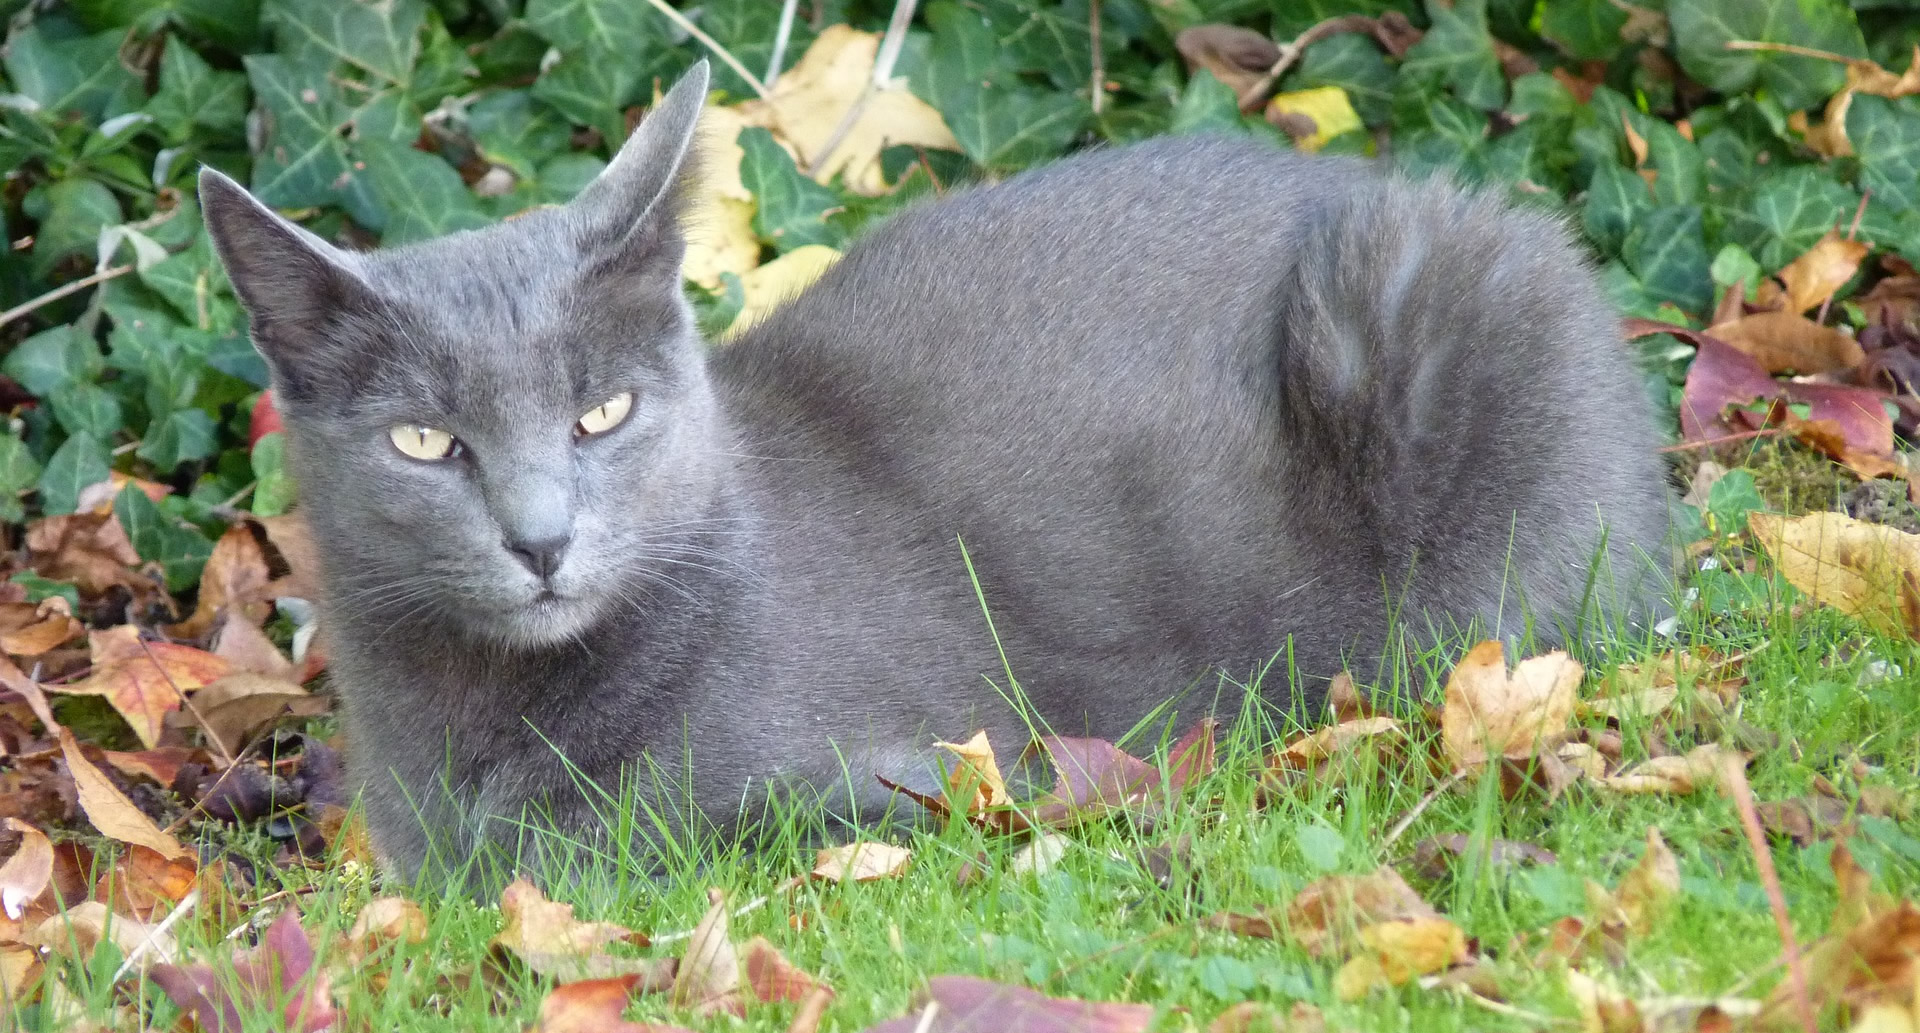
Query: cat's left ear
column 630, row 215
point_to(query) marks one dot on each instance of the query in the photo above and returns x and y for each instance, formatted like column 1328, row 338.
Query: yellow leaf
column 979, row 771
column 771, row 284
column 1869, row 571
column 1676, row 776
column 1332, row 113
column 719, row 217
column 1646, row 893
column 1812, row 278
column 1489, row 712
column 109, row 809
column 861, row 862
column 1414, row 946
column 809, row 106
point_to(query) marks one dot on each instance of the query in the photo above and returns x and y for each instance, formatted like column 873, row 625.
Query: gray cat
column 1184, row 406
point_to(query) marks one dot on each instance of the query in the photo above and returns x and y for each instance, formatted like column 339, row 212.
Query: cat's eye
column 428, row 443
column 605, row 416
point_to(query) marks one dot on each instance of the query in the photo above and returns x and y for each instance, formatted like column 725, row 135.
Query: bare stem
column 1290, row 52
column 62, row 291
column 1099, row 58
column 1734, row 776
column 726, row 56
column 788, row 10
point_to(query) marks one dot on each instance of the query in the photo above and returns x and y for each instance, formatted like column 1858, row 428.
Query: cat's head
column 497, row 428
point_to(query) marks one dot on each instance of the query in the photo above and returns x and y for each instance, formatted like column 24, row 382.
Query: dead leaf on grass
column 109, row 809
column 544, row 935
column 77, row 931
column 1646, row 893
column 963, row 1004
column 1676, row 776
column 708, row 979
column 1434, row 856
column 1327, row 914
column 1396, row 951
column 594, row 1006
column 278, row 976
column 975, row 782
column 1869, row 571
column 1253, row 1017
column 1821, row 814
column 861, row 862
column 386, row 920
column 1490, row 711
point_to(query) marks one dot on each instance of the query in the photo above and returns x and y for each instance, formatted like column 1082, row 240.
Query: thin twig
column 62, row 291
column 788, row 10
column 726, row 56
column 153, row 935
column 219, row 747
column 883, row 63
column 1684, row 446
column 1099, row 59
column 1290, row 52
column 1787, row 48
column 1400, row 827
column 1733, row 773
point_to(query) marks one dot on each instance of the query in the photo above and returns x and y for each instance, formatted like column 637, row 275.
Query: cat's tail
column 1459, row 391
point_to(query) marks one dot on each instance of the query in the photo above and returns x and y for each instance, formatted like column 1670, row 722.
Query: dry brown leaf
column 30, row 629
column 1040, row 854
column 594, row 1006
column 1235, row 56
column 76, row 931
column 11, row 677
column 1810, row 280
column 1788, row 342
column 811, row 101
column 1647, row 892
column 1325, row 916
column 237, row 705
column 143, row 680
column 861, row 862
column 386, row 920
column 1253, row 1017
column 234, row 579
column 19, row 971
column 963, row 1004
column 27, row 873
column 772, row 978
column 1338, row 740
column 708, row 980
column 1873, row 964
column 109, row 810
column 1491, row 712
column 291, row 538
column 91, row 551
column 248, row 648
column 1647, row 689
column 546, row 937
column 146, row 884
column 1676, row 776
column 1870, row 571
column 1394, row 952
column 976, row 779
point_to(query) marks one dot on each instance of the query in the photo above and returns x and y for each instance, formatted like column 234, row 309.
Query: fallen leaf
column 1253, row 1017
column 1871, row 965
column 594, row 1006
column 1326, row 915
column 91, row 551
column 708, row 979
column 768, row 286
column 19, row 972
column 78, row 930
column 772, row 978
column 975, row 782
column 160, row 765
column 1818, row 815
column 386, row 920
column 31, row 629
column 1810, row 280
column 143, row 680
column 293, row 541
column 233, row 708
column 1326, row 109
column 1648, row 689
column 1646, row 893
column 109, row 810
column 861, row 862
column 248, row 648
column 147, row 884
column 1039, row 856
column 1396, row 951
column 1869, row 571
column 1095, row 777
column 546, row 937
column 1491, row 712
column 278, row 975
column 27, row 873
column 809, row 108
column 1675, row 776
column 234, row 579
column 1235, row 56
column 13, row 679
column 963, row 1004
column 1787, row 342
column 1433, row 857
column 1192, row 758
column 1313, row 749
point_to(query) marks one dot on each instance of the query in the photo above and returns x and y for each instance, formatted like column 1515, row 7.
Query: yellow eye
column 428, row 443
column 605, row 416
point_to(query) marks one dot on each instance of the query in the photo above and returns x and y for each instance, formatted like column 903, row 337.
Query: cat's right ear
column 630, row 214
column 291, row 281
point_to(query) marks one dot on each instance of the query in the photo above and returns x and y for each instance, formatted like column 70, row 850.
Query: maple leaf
column 963, row 1004
column 544, row 935
column 109, row 809
column 1869, row 571
column 594, row 1006
column 1490, row 711
column 278, row 976
column 143, row 680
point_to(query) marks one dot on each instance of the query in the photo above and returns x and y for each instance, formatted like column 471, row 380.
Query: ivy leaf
column 1784, row 213
column 194, row 95
column 1703, row 28
column 573, row 25
column 791, row 210
column 180, row 436
column 1050, row 39
column 381, row 39
column 591, row 87
column 304, row 155
column 1681, row 171
column 1458, row 50
column 67, row 75
column 421, row 195
column 236, row 356
column 1886, row 136
column 515, row 129
column 180, row 550
column 273, row 489
column 79, row 462
column 1616, row 200
column 187, row 279
column 1588, row 30
column 742, row 26
column 84, row 408
column 1352, row 62
column 999, row 122
column 19, row 471
column 78, row 208
column 1206, row 106
column 52, row 359
column 1667, row 250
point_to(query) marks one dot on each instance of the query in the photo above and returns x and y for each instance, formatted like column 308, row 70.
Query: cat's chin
column 546, row 621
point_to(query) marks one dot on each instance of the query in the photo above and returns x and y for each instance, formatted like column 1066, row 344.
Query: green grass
column 1099, row 926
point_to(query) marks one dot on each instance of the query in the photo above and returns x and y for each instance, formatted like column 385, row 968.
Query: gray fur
column 1182, row 401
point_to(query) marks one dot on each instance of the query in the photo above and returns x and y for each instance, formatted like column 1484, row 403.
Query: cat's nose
column 540, row 555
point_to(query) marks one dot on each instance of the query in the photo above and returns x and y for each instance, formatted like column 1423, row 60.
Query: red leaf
column 594, row 1006
column 279, row 974
column 968, row 1005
